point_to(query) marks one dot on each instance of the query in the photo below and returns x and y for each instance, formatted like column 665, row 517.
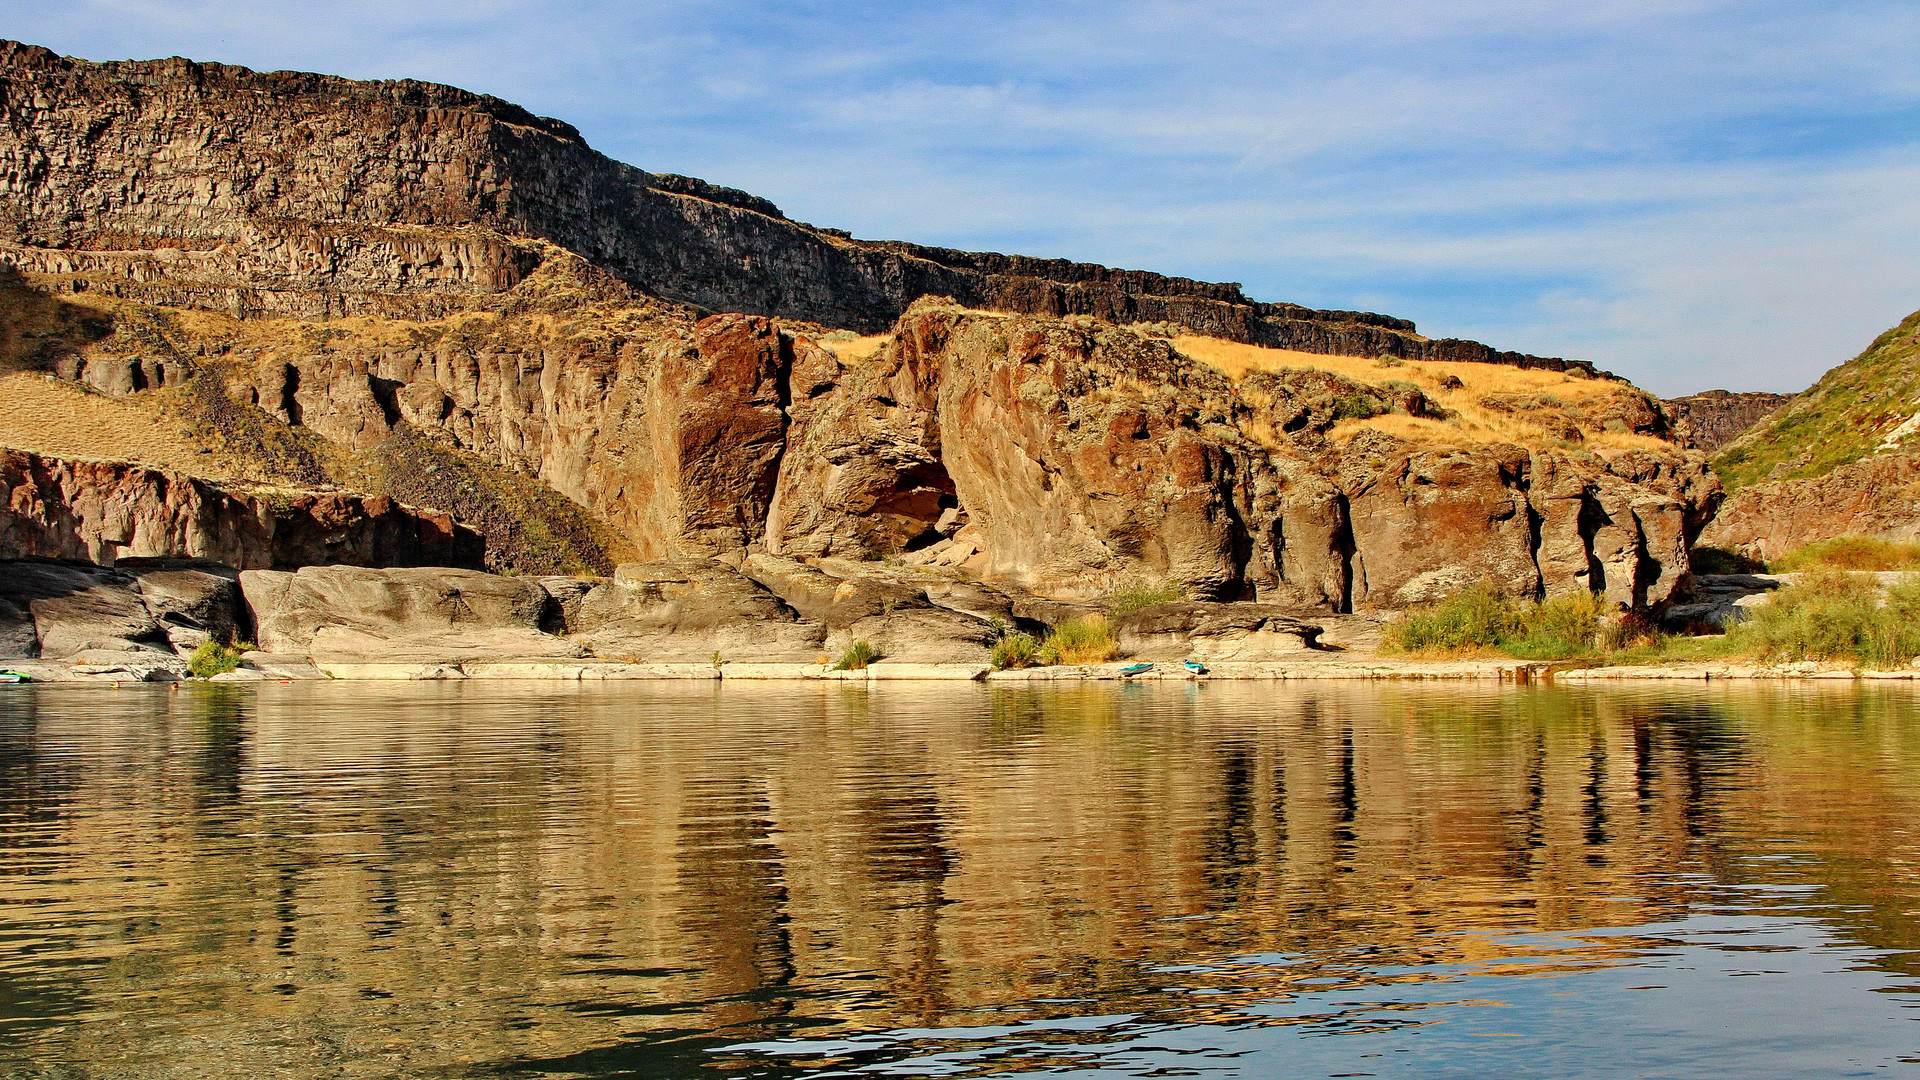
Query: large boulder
column 405, row 615
column 54, row 609
column 191, row 601
column 1427, row 523
column 1235, row 631
column 687, row 610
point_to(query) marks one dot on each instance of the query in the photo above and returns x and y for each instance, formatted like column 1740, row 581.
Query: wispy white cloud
column 1693, row 193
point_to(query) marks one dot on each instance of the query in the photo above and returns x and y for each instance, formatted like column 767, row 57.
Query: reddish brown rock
column 105, row 511
column 285, row 193
column 1878, row 497
column 1428, row 523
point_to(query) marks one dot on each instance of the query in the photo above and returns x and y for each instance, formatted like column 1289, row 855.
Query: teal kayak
column 1135, row 669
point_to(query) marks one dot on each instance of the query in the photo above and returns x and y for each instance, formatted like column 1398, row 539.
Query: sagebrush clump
column 1143, row 594
column 1481, row 617
column 210, row 658
column 1836, row 616
column 1084, row 640
column 1015, row 651
column 856, row 657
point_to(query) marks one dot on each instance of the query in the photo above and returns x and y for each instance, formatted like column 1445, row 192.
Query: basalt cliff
column 459, row 315
column 1842, row 458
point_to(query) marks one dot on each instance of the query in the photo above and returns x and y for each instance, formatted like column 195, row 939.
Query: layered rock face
column 1711, row 419
column 495, row 266
column 283, row 193
column 1080, row 457
column 106, row 512
column 1877, row 497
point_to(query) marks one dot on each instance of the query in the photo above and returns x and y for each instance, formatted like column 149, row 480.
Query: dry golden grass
column 57, row 418
column 849, row 350
column 1239, row 360
column 1535, row 423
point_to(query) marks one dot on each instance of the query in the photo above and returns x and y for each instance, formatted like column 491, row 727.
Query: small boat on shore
column 1135, row 669
column 1195, row 667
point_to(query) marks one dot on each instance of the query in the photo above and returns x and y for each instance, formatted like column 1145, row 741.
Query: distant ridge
column 284, row 193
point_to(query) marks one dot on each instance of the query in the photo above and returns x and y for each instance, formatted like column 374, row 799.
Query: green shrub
column 1084, row 640
column 1833, row 615
column 856, row 657
column 1357, row 407
column 1015, row 651
column 1478, row 617
column 1849, row 553
column 1143, row 594
column 210, row 658
column 1559, row 629
column 1481, row 617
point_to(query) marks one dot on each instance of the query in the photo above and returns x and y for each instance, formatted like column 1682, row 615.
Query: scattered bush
column 1482, row 617
column 1834, row 615
column 1849, row 553
column 856, row 657
column 1479, row 617
column 1562, row 628
column 210, row 658
column 1357, row 407
column 1085, row 640
column 1143, row 594
column 1015, row 651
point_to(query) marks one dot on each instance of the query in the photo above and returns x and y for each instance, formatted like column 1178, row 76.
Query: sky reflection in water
column 1218, row 880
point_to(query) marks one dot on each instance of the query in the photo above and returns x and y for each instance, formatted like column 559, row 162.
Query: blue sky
column 1692, row 194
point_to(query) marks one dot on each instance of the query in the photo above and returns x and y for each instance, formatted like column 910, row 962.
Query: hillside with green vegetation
column 1855, row 409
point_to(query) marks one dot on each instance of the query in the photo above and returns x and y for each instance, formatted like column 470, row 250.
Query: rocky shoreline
column 1367, row 669
column 72, row 622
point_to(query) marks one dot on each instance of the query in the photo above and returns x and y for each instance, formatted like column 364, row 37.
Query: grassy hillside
column 1867, row 404
column 196, row 426
column 1471, row 402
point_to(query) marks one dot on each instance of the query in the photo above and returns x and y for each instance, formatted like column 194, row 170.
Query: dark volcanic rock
column 209, row 185
column 1711, row 419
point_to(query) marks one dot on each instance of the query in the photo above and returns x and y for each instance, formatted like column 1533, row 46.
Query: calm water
column 467, row 880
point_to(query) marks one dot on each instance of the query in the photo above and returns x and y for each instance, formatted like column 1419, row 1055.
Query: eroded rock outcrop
column 1711, row 419
column 59, row 609
column 1876, row 497
column 1084, row 456
column 422, row 614
column 107, row 511
column 1213, row 632
column 207, row 185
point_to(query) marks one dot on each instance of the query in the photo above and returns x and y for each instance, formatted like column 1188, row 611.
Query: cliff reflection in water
column 370, row 880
